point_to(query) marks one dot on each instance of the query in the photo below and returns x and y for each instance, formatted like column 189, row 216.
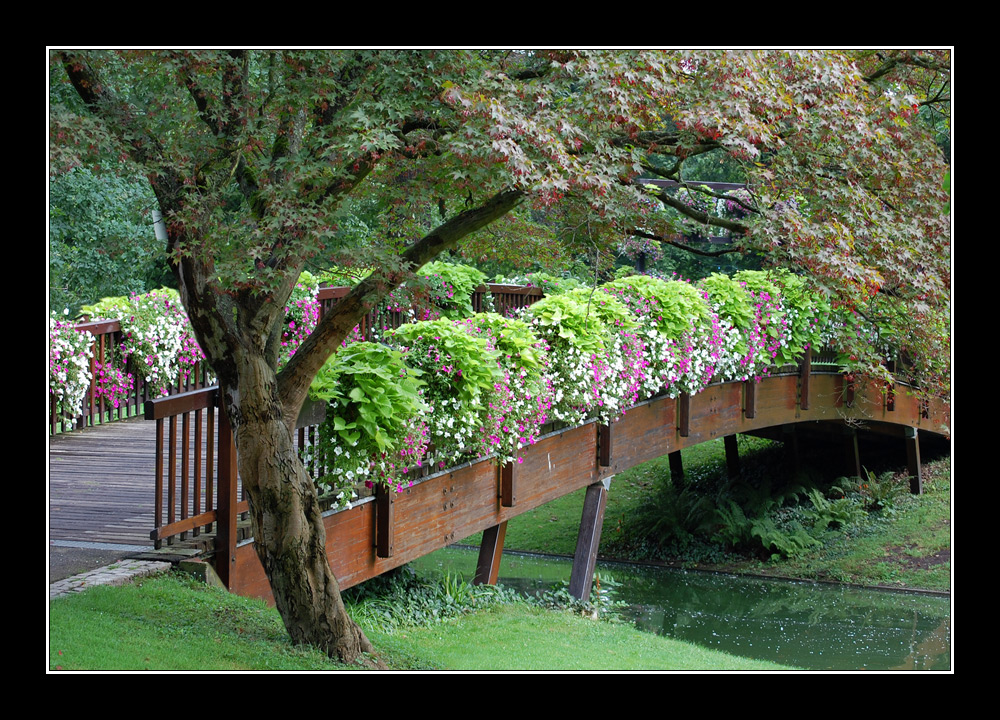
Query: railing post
column 750, row 398
column 603, row 445
column 225, row 539
column 508, row 485
column 384, row 531
column 684, row 414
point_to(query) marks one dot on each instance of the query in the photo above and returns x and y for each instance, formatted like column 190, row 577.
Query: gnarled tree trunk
column 287, row 523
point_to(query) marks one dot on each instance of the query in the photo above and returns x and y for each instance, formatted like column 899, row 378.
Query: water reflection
column 806, row 625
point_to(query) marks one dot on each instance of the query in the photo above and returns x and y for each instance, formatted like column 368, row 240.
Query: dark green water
column 805, row 625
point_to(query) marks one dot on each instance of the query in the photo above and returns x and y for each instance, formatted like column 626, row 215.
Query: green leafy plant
column 787, row 540
column 403, row 598
column 839, row 512
column 602, row 604
column 578, row 361
column 521, row 399
column 453, row 289
column 671, row 518
column 375, row 428
column 459, row 370
column 878, row 492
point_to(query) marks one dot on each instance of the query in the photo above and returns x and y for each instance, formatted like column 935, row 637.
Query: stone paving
column 117, row 573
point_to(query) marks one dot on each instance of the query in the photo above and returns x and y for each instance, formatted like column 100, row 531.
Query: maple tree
column 262, row 160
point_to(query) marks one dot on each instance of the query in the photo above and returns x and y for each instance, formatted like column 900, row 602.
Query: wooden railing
column 505, row 299
column 195, row 482
column 107, row 336
column 194, row 449
column 97, row 410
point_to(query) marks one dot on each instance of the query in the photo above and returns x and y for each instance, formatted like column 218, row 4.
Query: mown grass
column 171, row 623
column 530, row 638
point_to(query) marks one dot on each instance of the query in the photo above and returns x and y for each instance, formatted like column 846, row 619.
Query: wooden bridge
column 172, row 479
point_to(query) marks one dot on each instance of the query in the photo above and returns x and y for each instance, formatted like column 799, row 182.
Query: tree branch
column 208, row 309
column 295, row 378
column 699, row 216
column 687, row 248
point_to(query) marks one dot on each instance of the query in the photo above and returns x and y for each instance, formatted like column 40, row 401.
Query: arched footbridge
column 197, row 488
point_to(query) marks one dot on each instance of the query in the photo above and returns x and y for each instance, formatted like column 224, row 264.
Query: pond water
column 815, row 626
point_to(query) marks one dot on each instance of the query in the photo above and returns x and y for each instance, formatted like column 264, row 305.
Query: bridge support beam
column 585, row 558
column 852, row 460
column 790, row 437
column 913, row 460
column 732, row 456
column 676, row 467
column 490, row 553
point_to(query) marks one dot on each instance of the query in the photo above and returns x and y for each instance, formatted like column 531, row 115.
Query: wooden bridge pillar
column 732, row 456
column 676, row 468
column 913, row 460
column 490, row 552
column 852, row 460
column 585, row 558
column 790, row 437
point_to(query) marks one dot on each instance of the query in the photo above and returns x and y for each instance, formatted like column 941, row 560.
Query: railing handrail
column 96, row 410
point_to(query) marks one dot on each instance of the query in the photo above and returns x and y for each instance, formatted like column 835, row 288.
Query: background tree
column 101, row 239
column 259, row 161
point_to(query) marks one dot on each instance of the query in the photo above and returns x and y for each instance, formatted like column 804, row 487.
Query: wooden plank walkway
column 101, row 482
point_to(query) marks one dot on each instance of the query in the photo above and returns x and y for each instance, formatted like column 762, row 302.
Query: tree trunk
column 287, row 523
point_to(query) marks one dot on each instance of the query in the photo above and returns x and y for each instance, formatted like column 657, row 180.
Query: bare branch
column 699, row 216
column 687, row 248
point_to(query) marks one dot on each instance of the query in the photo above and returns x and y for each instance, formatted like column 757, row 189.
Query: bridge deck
column 101, row 484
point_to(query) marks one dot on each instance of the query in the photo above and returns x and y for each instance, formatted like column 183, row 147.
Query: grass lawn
column 170, row 623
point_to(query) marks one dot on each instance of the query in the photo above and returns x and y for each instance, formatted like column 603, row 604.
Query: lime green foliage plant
column 681, row 330
column 578, row 366
column 521, row 401
column 807, row 310
column 450, row 287
column 375, row 427
column 626, row 352
column 770, row 346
